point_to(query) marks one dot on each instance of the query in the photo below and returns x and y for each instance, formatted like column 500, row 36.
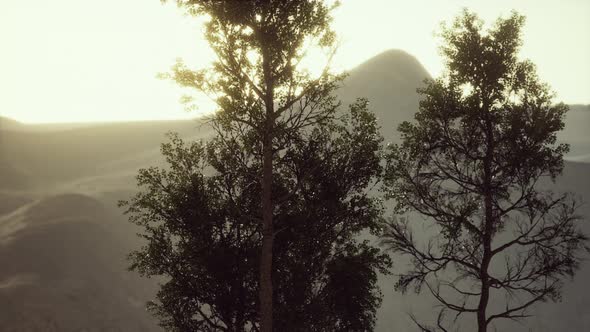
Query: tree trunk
column 485, row 262
column 266, row 291
column 488, row 228
column 485, row 290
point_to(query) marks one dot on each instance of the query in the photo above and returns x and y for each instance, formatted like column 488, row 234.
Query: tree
column 201, row 218
column 257, row 80
column 473, row 163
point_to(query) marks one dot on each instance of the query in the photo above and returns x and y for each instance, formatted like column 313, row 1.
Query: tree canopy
column 201, row 218
column 257, row 81
column 473, row 162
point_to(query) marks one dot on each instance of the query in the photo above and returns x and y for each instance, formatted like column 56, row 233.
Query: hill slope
column 9, row 124
column 389, row 80
column 63, row 269
column 63, row 243
column 51, row 157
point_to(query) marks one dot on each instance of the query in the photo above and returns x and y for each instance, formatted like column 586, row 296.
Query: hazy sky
column 82, row 60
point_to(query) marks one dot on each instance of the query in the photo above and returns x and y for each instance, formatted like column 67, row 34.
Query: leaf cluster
column 473, row 162
column 201, row 215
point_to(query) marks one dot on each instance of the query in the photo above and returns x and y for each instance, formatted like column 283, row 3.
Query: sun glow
column 80, row 61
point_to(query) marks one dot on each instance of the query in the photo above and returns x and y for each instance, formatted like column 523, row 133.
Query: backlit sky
column 82, row 60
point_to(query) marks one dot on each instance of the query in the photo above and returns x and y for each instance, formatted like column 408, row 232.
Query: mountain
column 577, row 123
column 10, row 176
column 10, row 124
column 51, row 157
column 14, row 125
column 63, row 242
column 63, row 269
column 389, row 80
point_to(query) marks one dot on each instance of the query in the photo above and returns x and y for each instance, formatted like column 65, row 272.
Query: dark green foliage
column 257, row 82
column 201, row 219
column 186, row 215
column 485, row 135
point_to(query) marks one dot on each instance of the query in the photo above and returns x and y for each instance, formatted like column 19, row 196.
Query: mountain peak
column 8, row 123
column 393, row 60
column 389, row 81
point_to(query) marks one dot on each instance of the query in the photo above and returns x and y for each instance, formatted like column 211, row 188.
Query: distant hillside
column 9, row 124
column 64, row 269
column 49, row 157
column 14, row 125
column 63, row 241
column 579, row 107
column 11, row 177
column 577, row 132
column 389, row 80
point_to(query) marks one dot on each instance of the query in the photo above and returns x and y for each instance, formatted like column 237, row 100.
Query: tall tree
column 201, row 218
column 257, row 81
column 473, row 163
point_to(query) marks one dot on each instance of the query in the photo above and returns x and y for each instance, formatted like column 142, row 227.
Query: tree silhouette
column 257, row 81
column 472, row 163
column 201, row 218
